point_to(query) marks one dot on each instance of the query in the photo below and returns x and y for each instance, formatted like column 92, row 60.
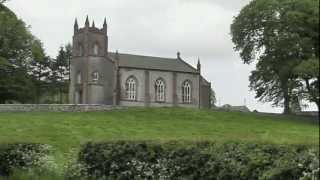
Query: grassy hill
column 68, row 130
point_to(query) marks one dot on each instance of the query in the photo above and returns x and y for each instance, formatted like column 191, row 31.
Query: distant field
column 68, row 130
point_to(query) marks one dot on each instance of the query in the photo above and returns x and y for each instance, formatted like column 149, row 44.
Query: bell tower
column 91, row 70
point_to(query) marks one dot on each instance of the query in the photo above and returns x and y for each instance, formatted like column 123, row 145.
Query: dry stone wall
column 56, row 107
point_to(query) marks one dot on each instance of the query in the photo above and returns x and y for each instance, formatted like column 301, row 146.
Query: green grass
column 68, row 130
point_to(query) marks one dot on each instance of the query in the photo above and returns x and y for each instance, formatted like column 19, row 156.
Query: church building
column 102, row 77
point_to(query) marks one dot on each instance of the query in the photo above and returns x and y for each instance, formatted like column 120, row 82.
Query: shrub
column 33, row 174
column 22, row 156
column 146, row 160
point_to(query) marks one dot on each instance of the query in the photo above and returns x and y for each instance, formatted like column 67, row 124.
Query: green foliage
column 33, row 174
column 308, row 69
column 21, row 156
column 15, row 53
column 15, row 84
column 213, row 98
column 61, row 72
column 143, row 160
column 39, row 69
column 280, row 34
column 26, row 73
column 308, row 72
column 15, row 38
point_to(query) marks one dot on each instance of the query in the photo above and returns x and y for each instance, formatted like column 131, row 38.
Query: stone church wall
column 140, row 77
column 146, row 87
column 194, row 78
column 167, row 77
column 100, row 92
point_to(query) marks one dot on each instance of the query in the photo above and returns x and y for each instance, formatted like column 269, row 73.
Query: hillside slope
column 66, row 130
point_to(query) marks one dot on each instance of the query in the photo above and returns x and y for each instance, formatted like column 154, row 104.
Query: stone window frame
column 131, row 88
column 79, row 77
column 95, row 76
column 186, row 92
column 160, row 90
column 96, row 48
column 81, row 50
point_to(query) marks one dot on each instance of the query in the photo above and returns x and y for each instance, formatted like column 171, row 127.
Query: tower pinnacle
column 93, row 25
column 75, row 27
column 105, row 26
column 198, row 65
column 105, row 22
column 87, row 22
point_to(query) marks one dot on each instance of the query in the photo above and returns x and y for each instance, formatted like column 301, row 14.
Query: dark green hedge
column 20, row 156
column 136, row 160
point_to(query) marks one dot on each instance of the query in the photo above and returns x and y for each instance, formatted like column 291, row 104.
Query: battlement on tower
column 92, row 28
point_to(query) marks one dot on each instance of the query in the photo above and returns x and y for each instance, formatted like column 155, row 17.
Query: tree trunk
column 286, row 97
column 314, row 97
column 287, row 109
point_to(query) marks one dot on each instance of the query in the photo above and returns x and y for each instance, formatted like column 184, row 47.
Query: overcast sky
column 196, row 28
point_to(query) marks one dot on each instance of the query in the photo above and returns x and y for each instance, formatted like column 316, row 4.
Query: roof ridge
column 152, row 62
column 187, row 64
column 150, row 56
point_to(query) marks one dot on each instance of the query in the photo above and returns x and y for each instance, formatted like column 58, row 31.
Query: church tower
column 91, row 71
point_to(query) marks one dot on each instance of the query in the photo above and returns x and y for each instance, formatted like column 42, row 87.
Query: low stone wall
column 308, row 113
column 56, row 107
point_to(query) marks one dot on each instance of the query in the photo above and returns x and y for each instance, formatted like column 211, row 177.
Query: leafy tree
column 61, row 70
column 3, row 1
column 280, row 35
column 213, row 99
column 308, row 73
column 68, row 50
column 15, row 52
column 40, row 68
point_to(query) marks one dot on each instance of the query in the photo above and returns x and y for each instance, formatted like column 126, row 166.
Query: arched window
column 131, row 88
column 95, row 49
column 80, row 50
column 186, row 92
column 160, row 90
column 79, row 78
column 95, row 76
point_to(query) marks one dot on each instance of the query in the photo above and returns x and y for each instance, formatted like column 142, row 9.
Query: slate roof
column 204, row 81
column 155, row 63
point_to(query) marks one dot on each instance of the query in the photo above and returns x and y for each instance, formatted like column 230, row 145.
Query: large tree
column 309, row 76
column 15, row 52
column 3, row 1
column 280, row 35
column 68, row 55
column 40, row 69
column 61, row 71
column 213, row 98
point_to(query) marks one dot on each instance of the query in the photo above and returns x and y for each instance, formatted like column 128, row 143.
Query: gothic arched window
column 95, row 49
column 80, row 50
column 160, row 90
column 131, row 89
column 79, row 78
column 186, row 92
column 95, row 76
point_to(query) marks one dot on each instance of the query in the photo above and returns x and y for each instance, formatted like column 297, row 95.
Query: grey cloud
column 232, row 5
column 197, row 28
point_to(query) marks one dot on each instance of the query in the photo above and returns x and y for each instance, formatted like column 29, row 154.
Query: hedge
column 147, row 160
column 21, row 156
